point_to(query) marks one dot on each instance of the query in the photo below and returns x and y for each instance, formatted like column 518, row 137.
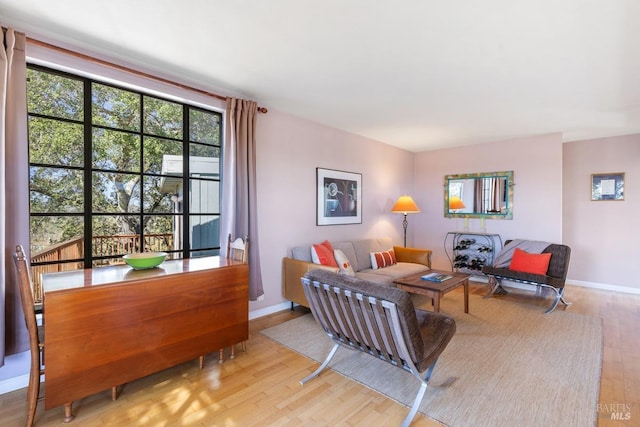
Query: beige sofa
column 410, row 261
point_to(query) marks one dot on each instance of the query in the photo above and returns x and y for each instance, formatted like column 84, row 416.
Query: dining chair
column 237, row 250
column 36, row 333
column 36, row 338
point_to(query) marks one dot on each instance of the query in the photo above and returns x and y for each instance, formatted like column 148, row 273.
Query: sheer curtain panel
column 14, row 187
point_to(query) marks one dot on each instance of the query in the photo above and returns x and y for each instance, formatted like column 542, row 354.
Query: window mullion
column 141, row 182
column 88, row 175
column 186, row 193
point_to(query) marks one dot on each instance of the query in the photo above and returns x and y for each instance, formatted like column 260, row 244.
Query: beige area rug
column 508, row 364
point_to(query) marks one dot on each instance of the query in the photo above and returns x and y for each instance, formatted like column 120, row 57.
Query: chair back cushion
column 402, row 300
column 559, row 263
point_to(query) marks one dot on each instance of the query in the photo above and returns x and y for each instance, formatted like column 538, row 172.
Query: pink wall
column 604, row 236
column 537, row 211
column 289, row 150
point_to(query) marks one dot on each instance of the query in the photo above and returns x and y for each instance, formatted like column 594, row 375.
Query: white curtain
column 240, row 214
column 499, row 194
column 14, row 187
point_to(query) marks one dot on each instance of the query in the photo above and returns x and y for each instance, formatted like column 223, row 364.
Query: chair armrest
column 415, row 255
column 292, row 272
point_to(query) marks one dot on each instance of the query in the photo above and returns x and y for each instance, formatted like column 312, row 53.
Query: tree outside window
column 108, row 177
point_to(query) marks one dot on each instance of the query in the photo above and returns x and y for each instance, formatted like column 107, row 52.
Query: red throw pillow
column 383, row 259
column 323, row 254
column 529, row 263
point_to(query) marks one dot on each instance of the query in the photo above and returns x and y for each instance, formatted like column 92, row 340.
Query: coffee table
column 415, row 285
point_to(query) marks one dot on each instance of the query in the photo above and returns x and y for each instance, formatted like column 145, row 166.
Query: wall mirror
column 479, row 195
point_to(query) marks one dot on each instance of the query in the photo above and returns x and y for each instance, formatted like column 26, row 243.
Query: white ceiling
column 417, row 74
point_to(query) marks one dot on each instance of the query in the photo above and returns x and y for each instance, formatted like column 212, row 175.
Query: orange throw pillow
column 383, row 259
column 529, row 263
column 323, row 254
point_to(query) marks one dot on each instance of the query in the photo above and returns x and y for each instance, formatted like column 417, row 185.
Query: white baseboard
column 14, row 375
column 269, row 310
column 15, row 383
column 591, row 285
column 605, row 287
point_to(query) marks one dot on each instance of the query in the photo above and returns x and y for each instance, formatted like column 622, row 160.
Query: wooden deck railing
column 115, row 246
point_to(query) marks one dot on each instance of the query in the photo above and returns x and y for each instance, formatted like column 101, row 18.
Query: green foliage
column 204, row 127
column 56, row 96
column 162, row 118
column 115, row 108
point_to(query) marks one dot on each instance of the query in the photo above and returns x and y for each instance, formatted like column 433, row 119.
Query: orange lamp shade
column 455, row 203
column 405, row 204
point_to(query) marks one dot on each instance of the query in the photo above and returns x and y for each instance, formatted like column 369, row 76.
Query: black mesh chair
column 554, row 279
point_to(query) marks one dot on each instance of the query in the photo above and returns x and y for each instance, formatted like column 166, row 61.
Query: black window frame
column 88, row 169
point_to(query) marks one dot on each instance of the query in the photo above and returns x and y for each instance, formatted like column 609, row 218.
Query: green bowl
column 145, row 260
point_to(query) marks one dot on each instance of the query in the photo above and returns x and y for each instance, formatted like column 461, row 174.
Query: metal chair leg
column 495, row 287
column 559, row 297
column 415, row 406
column 321, row 367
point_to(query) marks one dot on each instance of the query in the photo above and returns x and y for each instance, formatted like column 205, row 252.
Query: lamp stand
column 404, row 225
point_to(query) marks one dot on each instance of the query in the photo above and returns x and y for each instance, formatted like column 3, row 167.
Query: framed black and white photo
column 607, row 186
column 338, row 197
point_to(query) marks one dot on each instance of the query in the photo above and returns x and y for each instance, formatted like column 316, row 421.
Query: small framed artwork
column 607, row 186
column 338, row 197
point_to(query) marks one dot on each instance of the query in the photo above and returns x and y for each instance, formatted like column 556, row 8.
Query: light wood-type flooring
column 260, row 386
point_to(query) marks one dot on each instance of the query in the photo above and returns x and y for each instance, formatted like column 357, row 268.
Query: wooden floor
column 260, row 386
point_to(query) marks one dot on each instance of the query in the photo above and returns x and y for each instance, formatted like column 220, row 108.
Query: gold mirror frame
column 465, row 185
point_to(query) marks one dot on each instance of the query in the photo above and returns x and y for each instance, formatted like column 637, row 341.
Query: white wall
column 289, row 151
column 537, row 201
column 604, row 235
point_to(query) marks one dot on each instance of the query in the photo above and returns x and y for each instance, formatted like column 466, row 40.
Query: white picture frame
column 338, row 197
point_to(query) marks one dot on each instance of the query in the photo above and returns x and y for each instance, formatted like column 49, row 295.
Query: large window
column 108, row 174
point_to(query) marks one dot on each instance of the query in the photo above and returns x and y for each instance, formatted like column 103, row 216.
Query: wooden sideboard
column 108, row 326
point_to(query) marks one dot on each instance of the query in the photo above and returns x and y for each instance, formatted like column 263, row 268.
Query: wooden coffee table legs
column 415, row 285
column 466, row 295
column 436, row 295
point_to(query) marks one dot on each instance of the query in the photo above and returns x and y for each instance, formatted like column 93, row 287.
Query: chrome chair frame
column 366, row 324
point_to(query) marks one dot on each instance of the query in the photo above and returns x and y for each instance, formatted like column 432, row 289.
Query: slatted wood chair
column 36, row 338
column 380, row 321
column 237, row 250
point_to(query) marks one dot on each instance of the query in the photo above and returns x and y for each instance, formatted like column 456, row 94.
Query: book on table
column 436, row 277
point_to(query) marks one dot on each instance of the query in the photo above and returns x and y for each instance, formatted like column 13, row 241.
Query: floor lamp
column 405, row 205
